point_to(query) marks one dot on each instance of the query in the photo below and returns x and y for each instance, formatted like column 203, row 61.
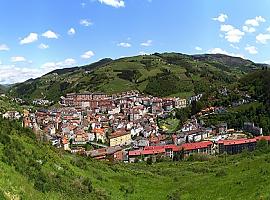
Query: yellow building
column 26, row 113
column 120, row 138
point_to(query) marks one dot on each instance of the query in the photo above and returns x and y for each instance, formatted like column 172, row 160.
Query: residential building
column 120, row 138
column 236, row 146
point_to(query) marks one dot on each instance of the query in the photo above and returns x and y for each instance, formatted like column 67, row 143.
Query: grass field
column 170, row 125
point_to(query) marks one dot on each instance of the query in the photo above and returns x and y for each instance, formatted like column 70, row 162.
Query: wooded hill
column 166, row 74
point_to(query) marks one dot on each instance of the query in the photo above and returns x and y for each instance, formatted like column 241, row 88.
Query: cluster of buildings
column 124, row 127
column 203, row 147
column 12, row 115
column 42, row 102
column 100, row 119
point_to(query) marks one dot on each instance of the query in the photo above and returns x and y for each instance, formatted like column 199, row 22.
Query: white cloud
column 233, row 46
column 69, row 62
column 124, row 44
column 251, row 49
column 263, row 38
column 268, row 29
column 71, row 31
column 12, row 74
column 267, row 62
column 113, row 3
column 147, row 43
column 232, row 34
column 50, row 66
column 88, row 55
column 32, row 37
column 255, row 22
column 221, row 51
column 249, row 29
column 18, row 59
column 198, row 48
column 217, row 51
column 143, row 53
column 251, row 23
column 83, row 4
column 43, row 46
column 50, row 35
column 226, row 28
column 221, row 18
column 4, row 47
column 85, row 22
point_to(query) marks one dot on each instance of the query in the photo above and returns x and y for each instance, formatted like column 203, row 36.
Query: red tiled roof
column 153, row 147
column 146, row 152
column 236, row 142
column 171, row 146
column 196, row 145
column 118, row 133
column 263, row 138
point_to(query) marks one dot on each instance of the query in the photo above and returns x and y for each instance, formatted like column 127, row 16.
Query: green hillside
column 32, row 170
column 257, row 84
column 2, row 89
column 167, row 74
column 253, row 87
column 7, row 105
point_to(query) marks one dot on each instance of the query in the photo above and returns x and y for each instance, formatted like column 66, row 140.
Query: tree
column 262, row 145
column 196, row 106
column 149, row 161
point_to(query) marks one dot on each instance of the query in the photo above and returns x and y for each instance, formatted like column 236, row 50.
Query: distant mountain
column 89, row 67
column 166, row 74
column 229, row 61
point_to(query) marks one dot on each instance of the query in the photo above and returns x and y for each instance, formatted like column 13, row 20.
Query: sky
column 38, row 36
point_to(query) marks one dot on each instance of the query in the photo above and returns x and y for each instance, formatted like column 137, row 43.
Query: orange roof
column 65, row 140
column 118, row 134
column 99, row 130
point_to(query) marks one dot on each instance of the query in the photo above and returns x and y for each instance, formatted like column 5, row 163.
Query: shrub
column 149, row 161
column 2, row 196
column 199, row 157
column 174, row 195
column 221, row 173
column 127, row 189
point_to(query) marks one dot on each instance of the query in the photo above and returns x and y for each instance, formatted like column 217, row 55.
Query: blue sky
column 39, row 36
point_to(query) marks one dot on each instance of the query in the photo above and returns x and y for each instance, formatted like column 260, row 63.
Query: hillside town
column 125, row 127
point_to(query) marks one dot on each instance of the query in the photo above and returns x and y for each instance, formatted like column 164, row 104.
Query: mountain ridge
column 159, row 74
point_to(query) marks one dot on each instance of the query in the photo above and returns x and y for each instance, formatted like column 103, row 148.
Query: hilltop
column 166, row 74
